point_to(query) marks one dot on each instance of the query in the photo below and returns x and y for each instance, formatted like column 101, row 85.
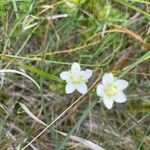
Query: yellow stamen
column 76, row 79
column 110, row 90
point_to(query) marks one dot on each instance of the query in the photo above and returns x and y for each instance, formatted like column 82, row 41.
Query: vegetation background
column 41, row 38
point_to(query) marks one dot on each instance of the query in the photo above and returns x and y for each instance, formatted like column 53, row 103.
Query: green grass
column 105, row 36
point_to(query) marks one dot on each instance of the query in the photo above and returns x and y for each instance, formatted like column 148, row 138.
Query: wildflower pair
column 110, row 90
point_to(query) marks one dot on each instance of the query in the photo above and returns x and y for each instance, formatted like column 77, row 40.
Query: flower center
column 76, row 79
column 110, row 90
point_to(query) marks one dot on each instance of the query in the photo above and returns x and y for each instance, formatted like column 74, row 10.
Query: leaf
column 85, row 142
column 42, row 73
column 134, row 64
column 29, row 22
column 128, row 4
column 4, row 108
column 21, row 73
column 31, row 114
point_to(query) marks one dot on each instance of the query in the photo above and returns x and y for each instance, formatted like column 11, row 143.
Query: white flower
column 111, row 90
column 76, row 79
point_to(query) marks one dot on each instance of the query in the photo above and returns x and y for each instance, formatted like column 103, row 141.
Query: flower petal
column 69, row 88
column 120, row 97
column 121, row 84
column 86, row 74
column 82, row 88
column 99, row 90
column 65, row 75
column 108, row 102
column 107, row 78
column 75, row 68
